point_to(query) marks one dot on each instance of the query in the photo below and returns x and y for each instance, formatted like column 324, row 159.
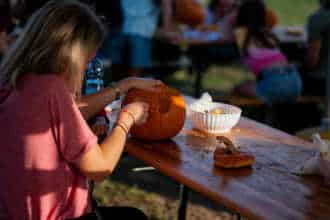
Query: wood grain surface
column 268, row 190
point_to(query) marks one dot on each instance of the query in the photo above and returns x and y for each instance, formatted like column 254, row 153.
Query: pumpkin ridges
column 156, row 125
column 167, row 118
column 160, row 103
column 164, row 126
column 147, row 129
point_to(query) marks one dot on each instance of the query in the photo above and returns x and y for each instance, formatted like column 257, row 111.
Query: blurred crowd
column 238, row 30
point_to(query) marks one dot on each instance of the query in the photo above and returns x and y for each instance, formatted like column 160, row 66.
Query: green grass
column 119, row 194
column 156, row 207
column 217, row 78
column 292, row 12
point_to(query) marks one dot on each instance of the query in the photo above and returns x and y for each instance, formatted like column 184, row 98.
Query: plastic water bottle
column 94, row 76
column 93, row 84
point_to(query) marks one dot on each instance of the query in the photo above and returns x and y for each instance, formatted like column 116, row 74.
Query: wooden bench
column 305, row 112
column 256, row 102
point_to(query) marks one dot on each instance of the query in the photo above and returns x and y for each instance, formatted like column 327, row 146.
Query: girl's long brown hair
column 252, row 16
column 58, row 39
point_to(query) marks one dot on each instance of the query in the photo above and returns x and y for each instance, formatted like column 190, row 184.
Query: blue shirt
column 140, row 17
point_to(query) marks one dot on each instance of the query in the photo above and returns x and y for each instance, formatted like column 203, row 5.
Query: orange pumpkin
column 166, row 113
column 189, row 12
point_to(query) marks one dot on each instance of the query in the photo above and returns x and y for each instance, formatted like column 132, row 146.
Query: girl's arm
column 101, row 160
column 93, row 104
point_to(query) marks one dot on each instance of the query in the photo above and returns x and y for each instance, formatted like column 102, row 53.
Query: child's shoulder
column 44, row 83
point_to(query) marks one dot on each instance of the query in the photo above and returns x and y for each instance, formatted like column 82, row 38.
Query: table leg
column 142, row 169
column 184, row 191
column 239, row 217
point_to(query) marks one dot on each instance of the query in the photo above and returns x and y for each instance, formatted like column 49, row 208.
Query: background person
column 130, row 46
column 221, row 14
column 317, row 64
column 277, row 80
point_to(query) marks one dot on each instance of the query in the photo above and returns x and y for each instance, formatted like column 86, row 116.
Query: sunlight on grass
column 225, row 77
column 221, row 78
column 109, row 193
column 112, row 193
column 293, row 12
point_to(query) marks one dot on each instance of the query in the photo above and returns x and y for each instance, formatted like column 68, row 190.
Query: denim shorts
column 279, row 85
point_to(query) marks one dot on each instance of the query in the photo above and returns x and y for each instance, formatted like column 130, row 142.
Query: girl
column 277, row 80
column 48, row 152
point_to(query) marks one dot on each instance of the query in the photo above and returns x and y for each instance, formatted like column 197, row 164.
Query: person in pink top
column 47, row 150
column 278, row 81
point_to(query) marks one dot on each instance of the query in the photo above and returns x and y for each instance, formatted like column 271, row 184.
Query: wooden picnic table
column 282, row 33
column 268, row 190
column 293, row 42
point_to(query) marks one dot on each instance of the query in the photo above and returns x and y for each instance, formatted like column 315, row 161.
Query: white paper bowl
column 214, row 123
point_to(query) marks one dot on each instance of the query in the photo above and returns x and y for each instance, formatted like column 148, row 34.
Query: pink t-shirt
column 43, row 135
column 259, row 59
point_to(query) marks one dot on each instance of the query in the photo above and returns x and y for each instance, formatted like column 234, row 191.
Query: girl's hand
column 134, row 113
column 139, row 83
